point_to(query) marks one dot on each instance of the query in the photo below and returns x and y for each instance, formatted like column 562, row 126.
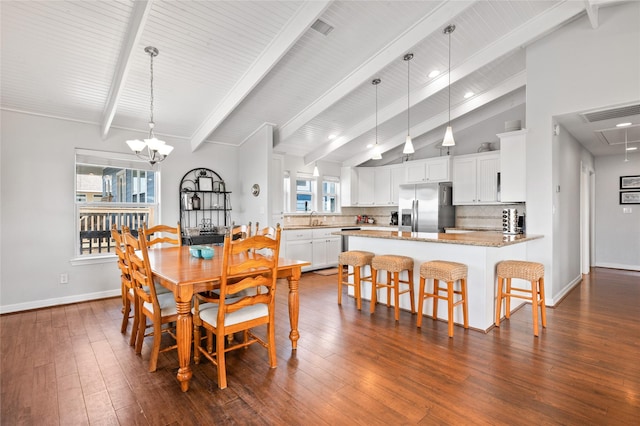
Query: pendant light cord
column 376, row 84
column 408, row 95
column 449, row 78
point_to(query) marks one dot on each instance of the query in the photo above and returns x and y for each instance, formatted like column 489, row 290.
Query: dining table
column 185, row 275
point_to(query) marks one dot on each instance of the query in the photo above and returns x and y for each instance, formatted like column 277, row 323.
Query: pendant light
column 316, row 173
column 155, row 150
column 448, row 135
column 408, row 145
column 377, row 155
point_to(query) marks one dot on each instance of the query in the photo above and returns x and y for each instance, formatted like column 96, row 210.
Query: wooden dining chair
column 240, row 307
column 158, row 235
column 159, row 308
column 240, row 232
column 127, row 288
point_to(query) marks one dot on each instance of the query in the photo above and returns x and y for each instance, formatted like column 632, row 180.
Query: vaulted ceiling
column 227, row 67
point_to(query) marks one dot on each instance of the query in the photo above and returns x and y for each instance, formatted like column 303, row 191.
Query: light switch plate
column 626, row 210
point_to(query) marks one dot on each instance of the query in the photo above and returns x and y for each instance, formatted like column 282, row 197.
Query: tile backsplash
column 484, row 217
column 475, row 217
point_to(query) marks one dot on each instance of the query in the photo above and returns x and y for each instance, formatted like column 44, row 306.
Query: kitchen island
column 480, row 251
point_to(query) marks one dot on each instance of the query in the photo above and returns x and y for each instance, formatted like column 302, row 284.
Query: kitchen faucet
column 311, row 216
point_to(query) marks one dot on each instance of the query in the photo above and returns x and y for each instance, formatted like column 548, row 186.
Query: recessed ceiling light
column 332, row 137
column 623, row 124
column 468, row 95
column 632, row 148
column 434, row 73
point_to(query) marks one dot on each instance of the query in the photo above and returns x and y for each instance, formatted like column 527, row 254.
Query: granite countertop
column 482, row 238
column 333, row 225
column 460, row 228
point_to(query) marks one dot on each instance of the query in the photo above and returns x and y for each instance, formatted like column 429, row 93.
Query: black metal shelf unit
column 205, row 207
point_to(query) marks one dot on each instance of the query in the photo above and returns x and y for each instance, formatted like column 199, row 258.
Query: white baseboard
column 565, row 290
column 37, row 304
column 617, row 266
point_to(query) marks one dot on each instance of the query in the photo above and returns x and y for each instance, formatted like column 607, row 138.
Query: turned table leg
column 294, row 305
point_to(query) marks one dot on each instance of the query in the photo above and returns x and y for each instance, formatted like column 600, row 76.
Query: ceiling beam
column 141, row 10
column 513, row 83
column 299, row 23
column 434, row 138
column 434, row 21
column 592, row 13
column 516, row 39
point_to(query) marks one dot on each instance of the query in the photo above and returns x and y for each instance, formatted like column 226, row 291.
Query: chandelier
column 151, row 149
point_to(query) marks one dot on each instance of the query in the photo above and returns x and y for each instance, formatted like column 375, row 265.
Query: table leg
column 294, row 305
column 184, row 330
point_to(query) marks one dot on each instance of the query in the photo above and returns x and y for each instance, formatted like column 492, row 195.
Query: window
column 111, row 188
column 330, row 185
column 304, row 194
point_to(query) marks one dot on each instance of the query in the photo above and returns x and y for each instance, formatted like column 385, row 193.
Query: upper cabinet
column 366, row 191
column 475, row 178
column 513, row 176
column 382, row 186
column 430, row 170
column 398, row 177
column 348, row 187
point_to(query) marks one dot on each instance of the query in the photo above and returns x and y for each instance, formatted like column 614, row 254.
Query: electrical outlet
column 64, row 278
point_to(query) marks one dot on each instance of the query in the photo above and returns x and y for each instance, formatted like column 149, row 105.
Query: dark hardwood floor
column 70, row 365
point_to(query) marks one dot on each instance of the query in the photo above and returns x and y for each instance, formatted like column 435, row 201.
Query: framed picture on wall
column 629, row 182
column 630, row 197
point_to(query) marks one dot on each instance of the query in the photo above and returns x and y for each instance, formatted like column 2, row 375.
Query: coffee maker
column 394, row 218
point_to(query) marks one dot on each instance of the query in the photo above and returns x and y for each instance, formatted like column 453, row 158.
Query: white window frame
column 116, row 160
column 312, row 192
column 335, row 180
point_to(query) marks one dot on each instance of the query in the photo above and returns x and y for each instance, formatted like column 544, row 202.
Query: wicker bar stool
column 393, row 264
column 528, row 271
column 449, row 272
column 357, row 260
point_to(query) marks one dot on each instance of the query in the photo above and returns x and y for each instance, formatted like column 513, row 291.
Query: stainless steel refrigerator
column 426, row 207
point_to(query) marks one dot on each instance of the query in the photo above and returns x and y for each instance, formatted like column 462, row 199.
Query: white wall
column 37, row 213
column 617, row 239
column 254, row 166
column 576, row 68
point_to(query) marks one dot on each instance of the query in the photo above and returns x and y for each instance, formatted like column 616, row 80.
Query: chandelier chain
column 151, row 103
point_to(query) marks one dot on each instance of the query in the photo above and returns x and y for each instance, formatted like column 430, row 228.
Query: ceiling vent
column 607, row 114
column 322, row 27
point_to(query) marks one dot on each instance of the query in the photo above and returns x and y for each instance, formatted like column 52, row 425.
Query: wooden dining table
column 175, row 269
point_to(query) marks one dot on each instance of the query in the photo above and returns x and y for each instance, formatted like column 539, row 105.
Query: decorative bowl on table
column 196, row 251
column 206, row 252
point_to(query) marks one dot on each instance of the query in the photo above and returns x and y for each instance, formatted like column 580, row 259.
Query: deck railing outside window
column 95, row 225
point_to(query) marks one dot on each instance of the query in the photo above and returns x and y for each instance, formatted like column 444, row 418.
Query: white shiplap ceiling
column 227, row 67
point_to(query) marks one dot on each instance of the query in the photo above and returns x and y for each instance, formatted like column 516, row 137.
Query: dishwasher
column 345, row 239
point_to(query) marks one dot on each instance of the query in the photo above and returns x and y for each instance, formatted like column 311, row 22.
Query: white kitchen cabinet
column 382, row 186
column 297, row 244
column 348, row 187
column 366, row 190
column 513, row 166
column 326, row 247
column 316, row 246
column 430, row 170
column 398, row 177
column 475, row 178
